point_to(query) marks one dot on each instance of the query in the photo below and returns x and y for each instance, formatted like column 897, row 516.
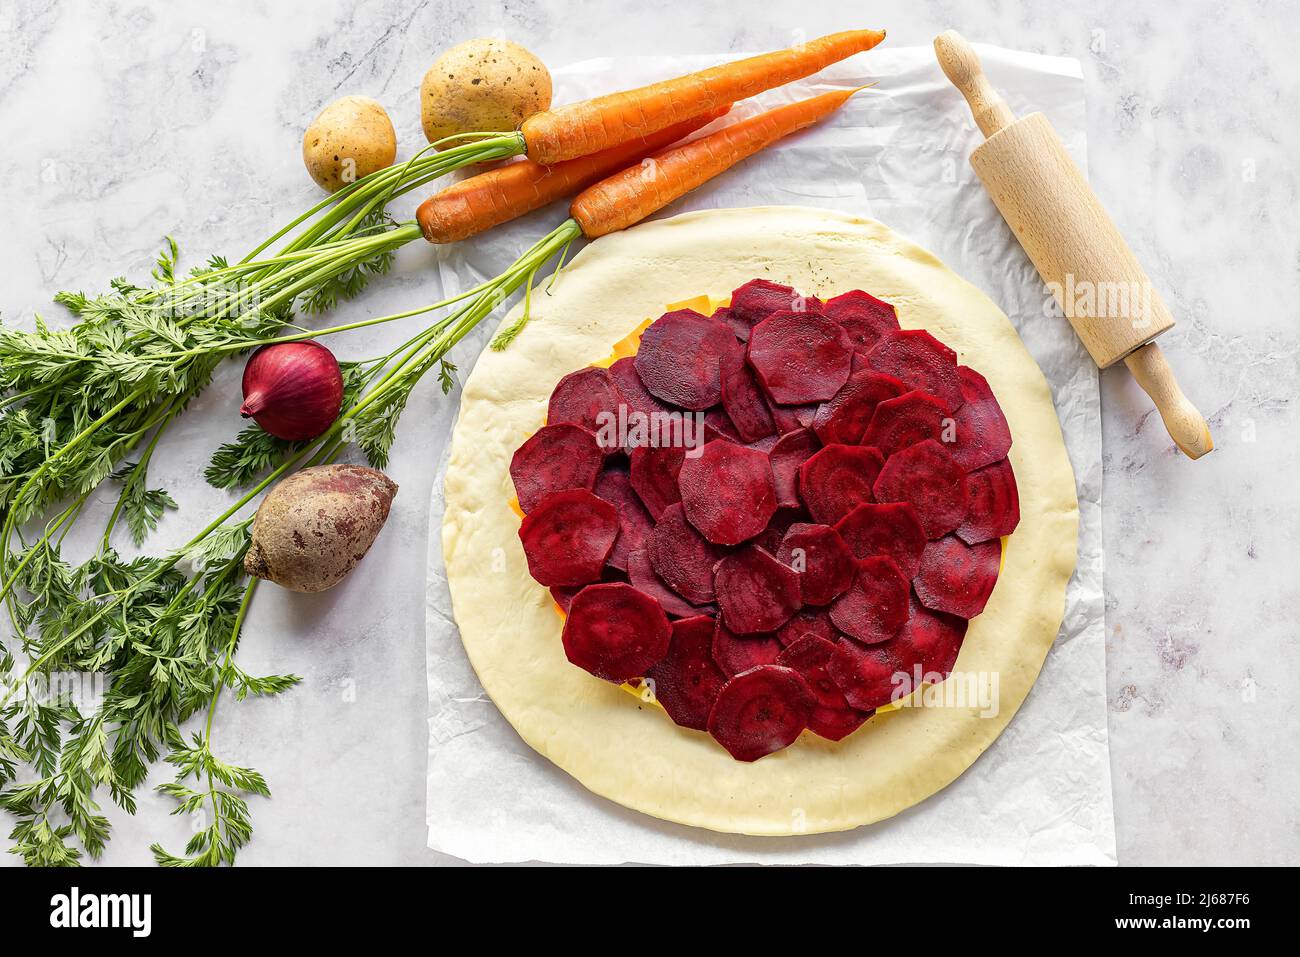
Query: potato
column 350, row 139
column 482, row 86
column 315, row 525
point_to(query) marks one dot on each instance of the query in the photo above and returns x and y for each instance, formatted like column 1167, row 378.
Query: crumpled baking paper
column 897, row 153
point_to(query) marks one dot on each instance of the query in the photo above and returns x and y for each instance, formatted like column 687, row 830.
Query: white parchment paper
column 1041, row 794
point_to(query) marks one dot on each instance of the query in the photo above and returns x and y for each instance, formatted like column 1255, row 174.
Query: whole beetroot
column 315, row 525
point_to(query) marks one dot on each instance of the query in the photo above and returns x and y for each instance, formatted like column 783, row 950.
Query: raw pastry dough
column 632, row 754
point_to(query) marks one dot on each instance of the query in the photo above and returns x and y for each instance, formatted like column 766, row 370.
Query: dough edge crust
column 633, row 754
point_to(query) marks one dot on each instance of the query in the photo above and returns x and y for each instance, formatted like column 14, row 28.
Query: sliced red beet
column 910, row 418
column 920, row 361
column 738, row 326
column 926, row 476
column 679, row 358
column 562, row 595
column 757, row 299
column 808, row 621
column 614, row 485
column 983, row 436
column 770, row 538
column 727, row 491
column 642, row 575
column 568, row 537
column 824, row 563
column 844, row 419
column 864, row 317
column 994, row 503
column 590, row 399
column 790, row 418
column 891, row 530
column 760, row 711
column 870, row 676
column 615, row 632
column 654, row 476
column 686, row 680
column 786, row 457
column 875, row 605
column 838, row 479
column 800, row 357
column 956, row 577
column 552, row 459
column 718, row 425
column 743, row 399
column 736, row 653
column 756, row 593
column 635, row 395
column 931, row 639
column 831, row 716
column 682, row 557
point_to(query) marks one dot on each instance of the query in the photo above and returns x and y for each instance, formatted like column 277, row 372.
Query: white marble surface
column 123, row 122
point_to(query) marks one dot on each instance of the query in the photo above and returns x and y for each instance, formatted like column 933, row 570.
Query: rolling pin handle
column 1187, row 427
column 961, row 64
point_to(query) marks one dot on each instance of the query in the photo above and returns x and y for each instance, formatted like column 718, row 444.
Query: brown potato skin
column 315, row 525
column 351, row 138
column 482, row 85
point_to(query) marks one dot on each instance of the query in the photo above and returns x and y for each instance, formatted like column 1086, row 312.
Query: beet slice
column 738, row 326
column 891, row 530
column 787, row 455
column 832, row 717
column 864, row 317
column 956, row 577
column 874, row 606
column 770, row 538
column 759, row 298
column 635, row 395
column 844, row 419
column 679, row 358
column 686, row 680
column 838, row 479
column 983, row 435
column 742, row 397
column 615, row 632
column 568, row 537
column 654, row 476
column 800, row 357
column 756, row 593
column 614, row 485
column 932, row 640
column 552, row 459
column 994, row 503
column 808, row 621
column 727, row 492
column 587, row 398
column 870, row 676
column 563, row 595
column 718, row 425
column 921, row 361
column 824, row 563
column 760, row 711
column 736, row 653
column 642, row 575
column 926, row 476
column 910, row 418
column 682, row 557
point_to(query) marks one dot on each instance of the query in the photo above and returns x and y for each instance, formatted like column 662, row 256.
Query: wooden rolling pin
column 1073, row 243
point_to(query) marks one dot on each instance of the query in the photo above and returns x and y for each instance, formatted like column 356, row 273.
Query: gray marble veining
column 123, row 122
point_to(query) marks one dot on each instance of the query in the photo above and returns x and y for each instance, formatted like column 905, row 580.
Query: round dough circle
column 633, row 754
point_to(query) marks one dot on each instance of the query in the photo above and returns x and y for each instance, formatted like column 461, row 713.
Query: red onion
column 293, row 390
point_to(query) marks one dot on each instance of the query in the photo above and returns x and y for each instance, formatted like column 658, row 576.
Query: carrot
column 597, row 124
column 630, row 196
column 480, row 202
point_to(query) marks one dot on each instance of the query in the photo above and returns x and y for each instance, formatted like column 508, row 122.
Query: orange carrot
column 630, row 196
column 597, row 124
column 497, row 196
